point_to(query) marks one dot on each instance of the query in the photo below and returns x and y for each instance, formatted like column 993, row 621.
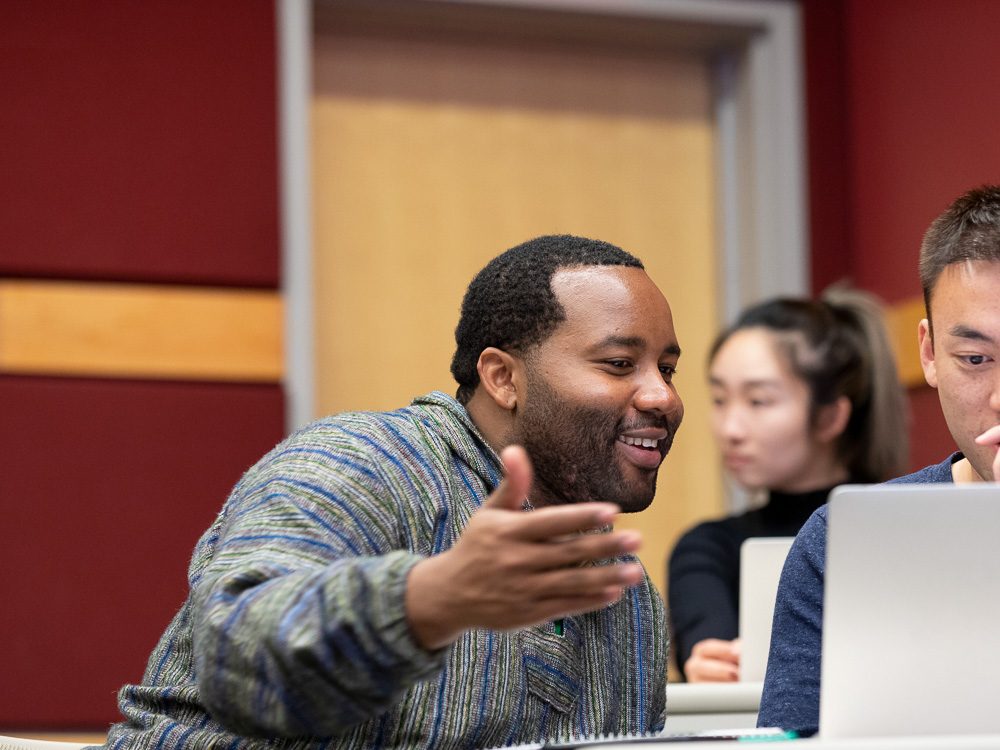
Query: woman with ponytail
column 805, row 397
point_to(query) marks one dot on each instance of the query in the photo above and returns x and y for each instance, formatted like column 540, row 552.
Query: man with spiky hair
column 959, row 343
column 376, row 581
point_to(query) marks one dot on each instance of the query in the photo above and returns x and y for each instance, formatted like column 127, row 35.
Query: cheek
column 587, row 386
column 716, row 421
column 954, row 388
column 784, row 433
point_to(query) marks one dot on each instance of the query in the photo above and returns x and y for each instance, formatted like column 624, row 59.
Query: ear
column 832, row 419
column 499, row 373
column 926, row 344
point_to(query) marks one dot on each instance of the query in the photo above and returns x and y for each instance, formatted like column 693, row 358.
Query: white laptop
column 911, row 616
column 761, row 560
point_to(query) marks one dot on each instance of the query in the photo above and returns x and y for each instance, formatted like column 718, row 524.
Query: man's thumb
column 514, row 489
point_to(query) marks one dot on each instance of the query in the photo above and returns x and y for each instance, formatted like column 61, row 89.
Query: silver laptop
column 761, row 560
column 911, row 614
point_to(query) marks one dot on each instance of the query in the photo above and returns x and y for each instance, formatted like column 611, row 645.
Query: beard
column 574, row 454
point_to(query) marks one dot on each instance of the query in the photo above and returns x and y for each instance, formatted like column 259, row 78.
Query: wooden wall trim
column 902, row 320
column 140, row 331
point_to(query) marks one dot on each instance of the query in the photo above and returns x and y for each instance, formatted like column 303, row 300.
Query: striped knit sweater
column 294, row 635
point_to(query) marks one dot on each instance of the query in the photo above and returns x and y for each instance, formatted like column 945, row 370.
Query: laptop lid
column 761, row 560
column 911, row 611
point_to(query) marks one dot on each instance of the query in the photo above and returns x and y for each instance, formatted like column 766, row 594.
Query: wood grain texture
column 140, row 331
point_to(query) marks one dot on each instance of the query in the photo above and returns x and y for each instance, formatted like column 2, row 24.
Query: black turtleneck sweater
column 704, row 571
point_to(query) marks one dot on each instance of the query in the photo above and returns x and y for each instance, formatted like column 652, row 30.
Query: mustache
column 670, row 425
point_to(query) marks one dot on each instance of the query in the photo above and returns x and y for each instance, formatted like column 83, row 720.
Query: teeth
column 644, row 442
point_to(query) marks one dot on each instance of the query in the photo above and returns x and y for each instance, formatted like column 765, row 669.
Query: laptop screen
column 761, row 560
column 911, row 611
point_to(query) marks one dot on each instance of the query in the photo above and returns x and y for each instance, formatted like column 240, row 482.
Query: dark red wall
column 107, row 486
column 827, row 137
column 924, row 114
column 915, row 126
column 137, row 142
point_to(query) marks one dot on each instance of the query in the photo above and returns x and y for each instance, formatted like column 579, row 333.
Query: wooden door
column 435, row 152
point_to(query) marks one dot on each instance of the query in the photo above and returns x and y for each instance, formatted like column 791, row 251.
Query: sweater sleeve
column 299, row 612
column 791, row 686
column 703, row 581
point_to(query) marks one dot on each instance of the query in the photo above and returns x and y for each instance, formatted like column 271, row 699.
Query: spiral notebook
column 649, row 741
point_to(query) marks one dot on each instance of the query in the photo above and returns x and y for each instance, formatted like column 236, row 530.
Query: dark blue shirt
column 791, row 687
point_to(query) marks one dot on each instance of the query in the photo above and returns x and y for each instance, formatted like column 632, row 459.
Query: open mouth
column 645, row 452
column 652, row 444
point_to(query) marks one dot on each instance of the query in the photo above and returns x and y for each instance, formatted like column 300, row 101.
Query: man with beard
column 372, row 582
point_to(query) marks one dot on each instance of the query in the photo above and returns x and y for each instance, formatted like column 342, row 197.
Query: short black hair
column 510, row 304
column 969, row 229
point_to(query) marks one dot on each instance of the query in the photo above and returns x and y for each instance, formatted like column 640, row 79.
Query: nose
column 729, row 423
column 655, row 394
column 995, row 395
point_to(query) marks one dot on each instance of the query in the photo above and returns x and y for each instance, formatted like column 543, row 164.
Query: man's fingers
column 585, row 582
column 559, row 521
column 514, row 489
column 554, row 607
column 992, row 437
column 562, row 552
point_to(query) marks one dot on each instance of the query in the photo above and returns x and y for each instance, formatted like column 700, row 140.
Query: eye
column 618, row 365
column 974, row 359
column 668, row 372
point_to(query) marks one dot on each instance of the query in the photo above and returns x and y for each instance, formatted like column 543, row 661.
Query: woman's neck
column 818, row 476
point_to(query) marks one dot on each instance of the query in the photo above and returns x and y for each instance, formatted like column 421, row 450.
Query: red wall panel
column 106, row 487
column 923, row 114
column 918, row 124
column 923, row 77
column 925, row 410
column 827, row 137
column 138, row 140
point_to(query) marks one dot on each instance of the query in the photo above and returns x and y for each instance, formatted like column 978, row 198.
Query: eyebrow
column 634, row 342
column 970, row 334
column 765, row 383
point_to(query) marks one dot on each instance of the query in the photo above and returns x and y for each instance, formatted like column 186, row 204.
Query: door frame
column 754, row 48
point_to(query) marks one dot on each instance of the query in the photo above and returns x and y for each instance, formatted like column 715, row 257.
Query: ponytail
column 839, row 348
column 876, row 441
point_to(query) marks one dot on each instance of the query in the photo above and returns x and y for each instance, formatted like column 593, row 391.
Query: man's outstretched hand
column 511, row 569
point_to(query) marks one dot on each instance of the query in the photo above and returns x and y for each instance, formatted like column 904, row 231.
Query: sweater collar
column 453, row 423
